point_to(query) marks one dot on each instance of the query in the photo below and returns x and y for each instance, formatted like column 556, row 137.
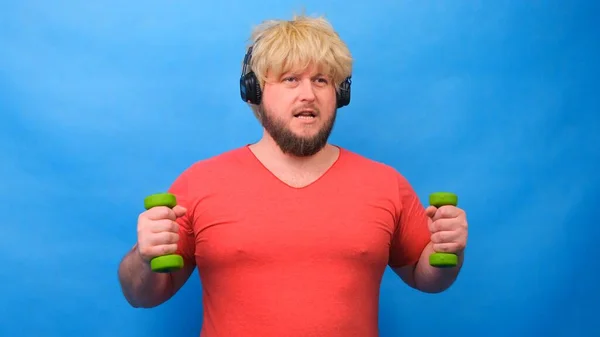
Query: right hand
column 158, row 232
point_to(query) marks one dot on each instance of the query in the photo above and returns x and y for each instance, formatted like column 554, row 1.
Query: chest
column 241, row 228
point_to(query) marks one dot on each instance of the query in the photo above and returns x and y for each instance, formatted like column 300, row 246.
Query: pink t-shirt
column 279, row 261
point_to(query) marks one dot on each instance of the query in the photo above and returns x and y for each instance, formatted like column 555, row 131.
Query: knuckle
column 446, row 211
column 161, row 239
column 163, row 225
column 158, row 213
column 439, row 225
column 174, row 227
column 167, row 238
column 170, row 214
column 162, row 212
column 439, row 237
column 168, row 249
column 442, row 237
column 442, row 211
column 435, row 226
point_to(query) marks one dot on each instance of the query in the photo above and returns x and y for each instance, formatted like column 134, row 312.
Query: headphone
column 250, row 88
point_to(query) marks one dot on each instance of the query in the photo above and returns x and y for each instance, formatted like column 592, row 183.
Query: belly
column 301, row 299
column 291, row 272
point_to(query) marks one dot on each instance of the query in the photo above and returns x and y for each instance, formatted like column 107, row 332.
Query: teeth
column 306, row 114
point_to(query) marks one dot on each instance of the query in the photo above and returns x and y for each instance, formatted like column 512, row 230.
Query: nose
column 306, row 90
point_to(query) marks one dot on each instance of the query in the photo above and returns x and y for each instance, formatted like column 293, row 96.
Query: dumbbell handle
column 169, row 262
column 443, row 260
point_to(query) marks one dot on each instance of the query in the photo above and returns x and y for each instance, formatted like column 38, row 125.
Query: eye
column 290, row 79
column 322, row 81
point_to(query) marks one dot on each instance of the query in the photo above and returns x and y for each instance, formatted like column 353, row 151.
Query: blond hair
column 280, row 46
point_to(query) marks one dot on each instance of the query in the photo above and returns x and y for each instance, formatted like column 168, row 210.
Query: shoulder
column 363, row 165
column 376, row 173
column 222, row 162
column 209, row 175
column 212, row 171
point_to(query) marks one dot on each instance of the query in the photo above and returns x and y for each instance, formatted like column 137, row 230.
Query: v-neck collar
column 260, row 167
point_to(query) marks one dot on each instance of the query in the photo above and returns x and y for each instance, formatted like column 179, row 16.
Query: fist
column 157, row 231
column 448, row 229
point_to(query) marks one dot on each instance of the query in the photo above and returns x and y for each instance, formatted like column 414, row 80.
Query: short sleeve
column 412, row 231
column 186, row 245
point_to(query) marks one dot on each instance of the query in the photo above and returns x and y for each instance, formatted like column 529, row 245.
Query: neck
column 267, row 150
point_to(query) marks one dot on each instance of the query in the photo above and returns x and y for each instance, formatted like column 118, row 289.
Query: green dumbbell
column 443, row 260
column 170, row 262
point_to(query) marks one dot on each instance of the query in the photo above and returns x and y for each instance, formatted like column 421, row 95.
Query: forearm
column 142, row 287
column 432, row 279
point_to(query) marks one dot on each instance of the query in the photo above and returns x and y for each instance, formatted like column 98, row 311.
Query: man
column 291, row 235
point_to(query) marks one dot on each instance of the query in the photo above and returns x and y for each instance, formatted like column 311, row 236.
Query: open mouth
column 306, row 114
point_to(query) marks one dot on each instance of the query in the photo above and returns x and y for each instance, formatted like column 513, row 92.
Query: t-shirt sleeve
column 186, row 245
column 412, row 234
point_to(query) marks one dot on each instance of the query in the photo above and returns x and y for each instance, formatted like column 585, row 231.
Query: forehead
column 303, row 68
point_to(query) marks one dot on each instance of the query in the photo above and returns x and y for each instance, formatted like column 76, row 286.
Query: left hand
column 448, row 229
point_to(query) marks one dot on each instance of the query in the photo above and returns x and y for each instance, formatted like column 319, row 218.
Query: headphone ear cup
column 250, row 89
column 256, row 89
column 243, row 89
column 343, row 96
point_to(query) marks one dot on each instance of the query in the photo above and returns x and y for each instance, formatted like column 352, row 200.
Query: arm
column 423, row 277
column 414, row 242
column 144, row 288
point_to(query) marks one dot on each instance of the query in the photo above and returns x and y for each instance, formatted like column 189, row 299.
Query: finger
column 446, row 247
column 164, row 238
column 148, row 252
column 446, row 212
column 445, row 236
column 441, row 225
column 159, row 226
column 430, row 211
column 174, row 227
column 160, row 212
column 162, row 250
column 179, row 211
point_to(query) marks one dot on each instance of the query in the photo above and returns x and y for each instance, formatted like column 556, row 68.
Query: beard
column 291, row 143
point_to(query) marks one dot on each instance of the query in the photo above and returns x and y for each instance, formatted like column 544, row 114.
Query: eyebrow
column 297, row 73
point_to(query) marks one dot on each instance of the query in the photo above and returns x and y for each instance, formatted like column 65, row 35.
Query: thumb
column 430, row 211
column 179, row 211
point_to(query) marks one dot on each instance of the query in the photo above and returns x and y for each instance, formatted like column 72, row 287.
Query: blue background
column 104, row 102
